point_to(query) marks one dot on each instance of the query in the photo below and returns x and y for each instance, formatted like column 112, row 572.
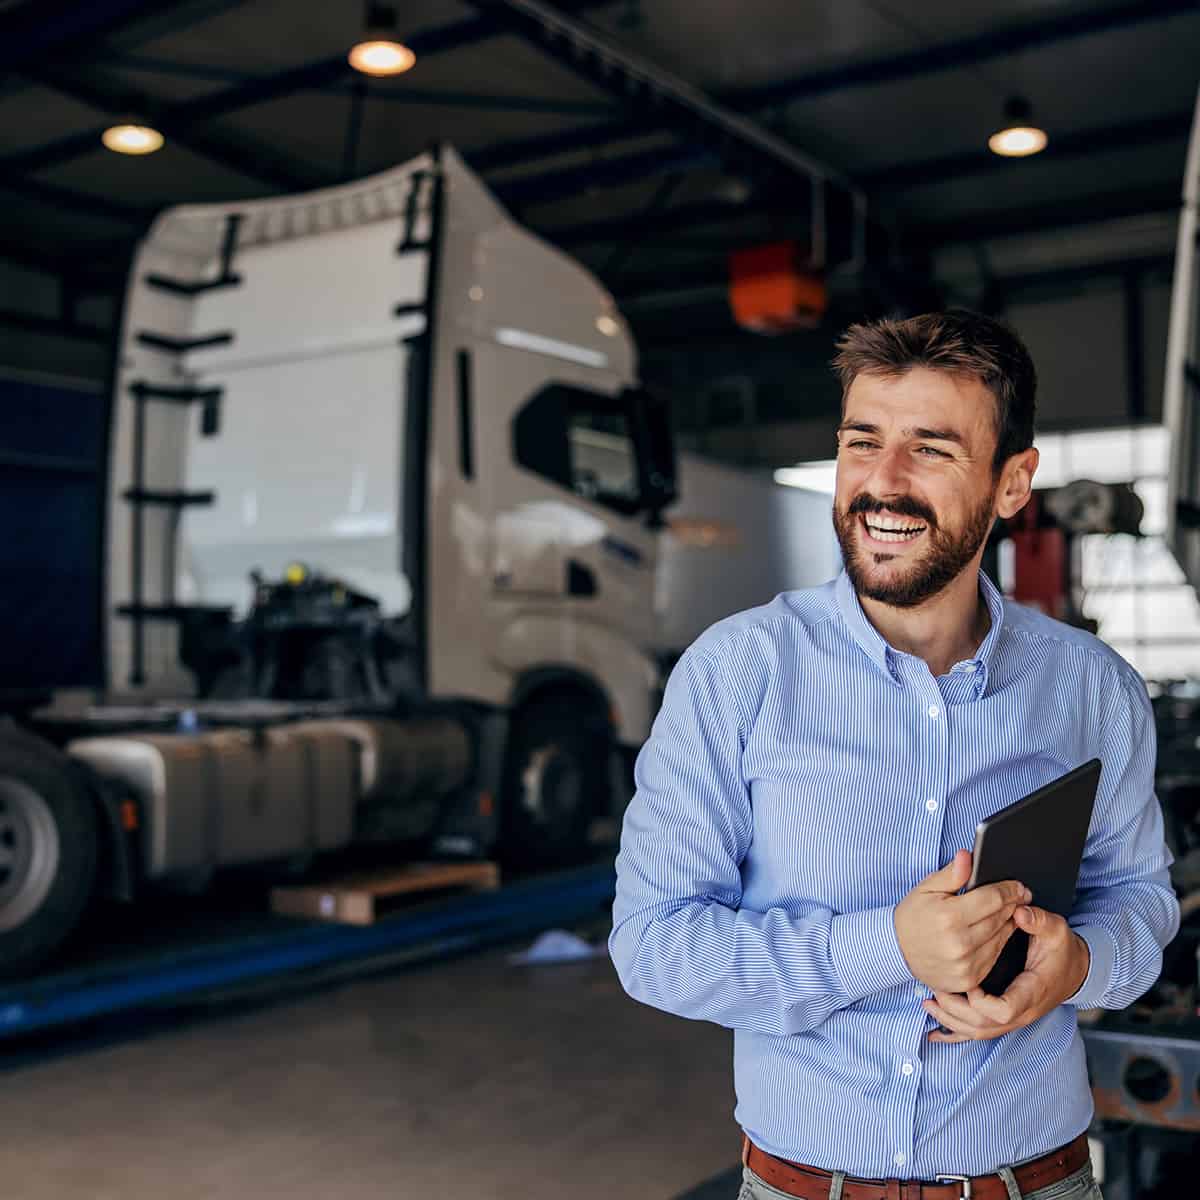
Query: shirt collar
column 872, row 642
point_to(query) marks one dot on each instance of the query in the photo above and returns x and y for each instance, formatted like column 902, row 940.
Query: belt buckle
column 963, row 1180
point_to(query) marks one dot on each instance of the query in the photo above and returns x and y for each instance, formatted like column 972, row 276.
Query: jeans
column 1080, row 1186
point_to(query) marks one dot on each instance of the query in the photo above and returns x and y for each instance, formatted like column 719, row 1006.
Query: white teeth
column 884, row 535
column 892, row 529
column 903, row 524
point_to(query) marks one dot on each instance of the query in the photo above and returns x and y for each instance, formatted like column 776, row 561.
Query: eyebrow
column 929, row 435
column 939, row 435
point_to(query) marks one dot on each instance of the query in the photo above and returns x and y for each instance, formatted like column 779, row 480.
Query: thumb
column 952, row 877
column 1032, row 920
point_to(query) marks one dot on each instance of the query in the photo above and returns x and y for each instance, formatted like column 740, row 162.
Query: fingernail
column 1027, row 894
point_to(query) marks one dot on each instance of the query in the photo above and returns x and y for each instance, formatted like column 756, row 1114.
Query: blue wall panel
column 52, row 467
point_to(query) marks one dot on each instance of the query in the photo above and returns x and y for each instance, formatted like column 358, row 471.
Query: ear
column 1016, row 483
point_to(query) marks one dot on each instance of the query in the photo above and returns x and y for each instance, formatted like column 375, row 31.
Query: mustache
column 902, row 506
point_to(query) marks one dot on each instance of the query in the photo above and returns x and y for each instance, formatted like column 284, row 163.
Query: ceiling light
column 379, row 53
column 132, row 139
column 1019, row 137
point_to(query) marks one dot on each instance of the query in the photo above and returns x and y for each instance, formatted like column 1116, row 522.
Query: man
column 790, row 866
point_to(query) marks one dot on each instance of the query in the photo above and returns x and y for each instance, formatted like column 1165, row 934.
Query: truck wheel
column 556, row 781
column 48, row 851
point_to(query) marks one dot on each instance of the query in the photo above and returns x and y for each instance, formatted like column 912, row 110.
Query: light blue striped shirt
column 801, row 777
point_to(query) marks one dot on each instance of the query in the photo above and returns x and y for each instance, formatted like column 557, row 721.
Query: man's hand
column 951, row 942
column 1055, row 967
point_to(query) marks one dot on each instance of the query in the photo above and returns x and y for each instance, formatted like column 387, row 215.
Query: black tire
column 49, row 839
column 555, row 783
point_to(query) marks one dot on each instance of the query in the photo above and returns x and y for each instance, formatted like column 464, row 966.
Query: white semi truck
column 386, row 554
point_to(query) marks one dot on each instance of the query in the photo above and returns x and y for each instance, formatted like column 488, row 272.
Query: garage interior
column 370, row 618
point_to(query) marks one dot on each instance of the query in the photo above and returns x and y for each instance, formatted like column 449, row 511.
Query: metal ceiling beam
column 178, row 120
column 711, row 282
column 1070, row 211
column 887, row 69
column 645, row 164
column 651, row 90
column 49, row 154
column 968, row 51
column 546, row 145
column 254, row 160
column 618, row 228
column 39, row 28
column 1078, row 210
column 71, row 200
column 571, row 181
column 974, row 162
column 738, row 142
column 402, row 93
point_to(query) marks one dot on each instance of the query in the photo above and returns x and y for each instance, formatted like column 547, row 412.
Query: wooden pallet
column 362, row 898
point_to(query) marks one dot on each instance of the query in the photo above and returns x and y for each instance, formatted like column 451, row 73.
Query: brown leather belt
column 811, row 1183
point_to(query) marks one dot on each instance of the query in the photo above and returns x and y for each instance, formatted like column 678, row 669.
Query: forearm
column 1125, row 928
column 776, row 972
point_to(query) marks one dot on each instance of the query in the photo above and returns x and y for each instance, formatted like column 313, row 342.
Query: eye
column 859, row 444
column 931, row 452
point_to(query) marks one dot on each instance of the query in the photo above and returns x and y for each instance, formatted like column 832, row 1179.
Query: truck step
column 361, row 898
column 174, row 395
column 182, row 287
column 174, row 345
column 168, row 499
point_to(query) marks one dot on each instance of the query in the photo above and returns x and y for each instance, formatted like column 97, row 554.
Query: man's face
column 916, row 494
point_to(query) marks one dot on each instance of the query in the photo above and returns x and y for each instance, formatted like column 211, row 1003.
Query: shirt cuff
column 1102, row 951
column 865, row 952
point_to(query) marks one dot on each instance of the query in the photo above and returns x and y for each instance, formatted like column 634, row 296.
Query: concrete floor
column 470, row 1078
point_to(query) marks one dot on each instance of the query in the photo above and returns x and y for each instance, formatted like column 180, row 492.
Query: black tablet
column 1037, row 840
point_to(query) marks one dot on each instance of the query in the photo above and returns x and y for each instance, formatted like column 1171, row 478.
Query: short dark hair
column 959, row 342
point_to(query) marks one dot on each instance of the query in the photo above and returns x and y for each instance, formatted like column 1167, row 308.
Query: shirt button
column 898, row 1159
column 931, row 804
column 933, row 711
column 907, row 1069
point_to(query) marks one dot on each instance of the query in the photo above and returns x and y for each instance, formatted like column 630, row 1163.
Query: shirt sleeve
column 1125, row 908
column 681, row 940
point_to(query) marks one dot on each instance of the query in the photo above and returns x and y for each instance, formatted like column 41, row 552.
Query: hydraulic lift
column 272, row 953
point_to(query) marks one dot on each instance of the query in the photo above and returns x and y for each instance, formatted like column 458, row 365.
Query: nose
column 889, row 474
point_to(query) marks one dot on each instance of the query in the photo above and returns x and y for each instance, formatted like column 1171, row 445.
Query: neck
column 942, row 630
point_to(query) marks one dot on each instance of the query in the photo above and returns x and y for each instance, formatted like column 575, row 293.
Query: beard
column 947, row 554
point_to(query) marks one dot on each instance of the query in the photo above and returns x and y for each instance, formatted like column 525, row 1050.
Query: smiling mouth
column 896, row 530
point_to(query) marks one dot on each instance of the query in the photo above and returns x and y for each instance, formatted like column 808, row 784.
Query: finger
column 1022, row 995
column 965, row 1017
column 989, row 950
column 987, row 930
column 983, row 902
column 1035, row 921
column 997, row 1009
column 950, row 878
column 936, row 1035
column 975, row 1027
column 951, row 1019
